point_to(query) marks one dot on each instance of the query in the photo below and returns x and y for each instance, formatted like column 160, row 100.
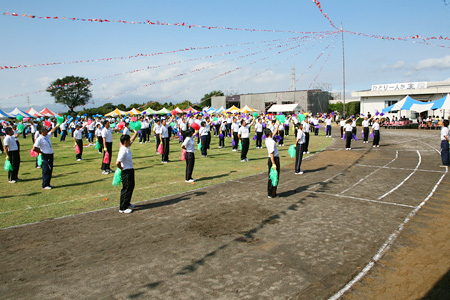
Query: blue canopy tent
column 388, row 109
column 4, row 115
column 16, row 112
column 443, row 103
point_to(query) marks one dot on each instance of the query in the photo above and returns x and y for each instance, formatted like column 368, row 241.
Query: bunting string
column 323, row 65
column 158, row 23
column 138, row 55
column 279, row 63
column 319, row 6
column 228, row 72
column 293, row 40
column 201, row 69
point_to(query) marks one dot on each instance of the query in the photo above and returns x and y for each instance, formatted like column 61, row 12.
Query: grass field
column 81, row 187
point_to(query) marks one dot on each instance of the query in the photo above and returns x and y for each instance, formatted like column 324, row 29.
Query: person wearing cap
column 125, row 163
column 12, row 153
column 44, row 147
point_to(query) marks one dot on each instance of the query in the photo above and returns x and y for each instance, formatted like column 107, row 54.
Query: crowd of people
column 188, row 129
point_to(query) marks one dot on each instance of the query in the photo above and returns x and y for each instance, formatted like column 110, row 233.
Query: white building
column 383, row 95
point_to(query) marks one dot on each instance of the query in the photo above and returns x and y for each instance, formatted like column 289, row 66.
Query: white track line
column 401, row 183
column 370, row 174
column 363, row 199
column 403, row 169
column 387, row 245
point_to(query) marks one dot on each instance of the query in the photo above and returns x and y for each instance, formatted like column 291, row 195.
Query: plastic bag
column 39, row 160
column 355, row 137
column 20, row 127
column 106, row 158
column 183, row 154
column 160, row 149
column 273, row 175
column 77, row 149
column 98, row 146
column 199, row 146
column 233, row 143
column 8, row 165
column 372, row 135
column 292, row 151
column 117, row 179
column 60, row 120
column 254, row 138
column 33, row 153
column 240, row 146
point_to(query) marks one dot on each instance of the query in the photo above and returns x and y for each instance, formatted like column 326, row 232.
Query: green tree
column 206, row 100
column 72, row 91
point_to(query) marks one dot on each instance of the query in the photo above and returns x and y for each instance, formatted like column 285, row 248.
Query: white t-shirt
column 271, row 146
column 124, row 157
column 77, row 134
column 107, row 135
column 126, row 131
column 365, row 123
column 305, row 126
column 189, row 143
column 342, row 123
column 258, row 127
column 235, row 127
column 202, row 131
column 444, row 133
column 157, row 128
column 300, row 136
column 164, row 131
column 98, row 132
column 44, row 144
column 376, row 126
column 244, row 131
column 10, row 141
column 328, row 122
column 348, row 127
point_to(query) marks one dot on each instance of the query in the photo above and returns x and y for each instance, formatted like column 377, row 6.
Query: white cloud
column 396, row 66
column 442, row 63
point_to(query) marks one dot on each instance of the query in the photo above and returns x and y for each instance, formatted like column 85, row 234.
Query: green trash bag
column 240, row 146
column 273, row 175
column 117, row 179
column 8, row 165
column 199, row 146
column 39, row 160
column 292, row 151
column 98, row 146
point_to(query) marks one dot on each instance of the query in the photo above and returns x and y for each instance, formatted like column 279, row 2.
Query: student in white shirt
column 259, row 133
column 342, row 125
column 164, row 139
column 348, row 134
column 223, row 133
column 78, row 139
column 376, row 133
column 157, row 131
column 98, row 134
column 189, row 146
column 204, row 139
column 445, row 139
column 234, row 134
column 365, row 130
column 328, row 124
column 107, row 147
column 91, row 131
column 126, row 130
column 273, row 162
column 12, row 153
column 125, row 163
column 306, row 127
column 43, row 146
column 244, row 136
column 299, row 149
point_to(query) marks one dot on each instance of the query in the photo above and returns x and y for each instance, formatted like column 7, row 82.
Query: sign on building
column 399, row 86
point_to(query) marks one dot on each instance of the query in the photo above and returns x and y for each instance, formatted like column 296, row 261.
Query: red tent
column 48, row 113
column 190, row 110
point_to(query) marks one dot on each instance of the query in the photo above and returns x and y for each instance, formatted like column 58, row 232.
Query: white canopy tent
column 283, row 107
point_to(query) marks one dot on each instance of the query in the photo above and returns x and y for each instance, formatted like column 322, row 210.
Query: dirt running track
column 230, row 241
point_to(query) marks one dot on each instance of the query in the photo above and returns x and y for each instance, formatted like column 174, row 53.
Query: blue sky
column 368, row 60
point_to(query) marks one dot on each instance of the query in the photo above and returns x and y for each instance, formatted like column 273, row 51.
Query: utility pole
column 343, row 66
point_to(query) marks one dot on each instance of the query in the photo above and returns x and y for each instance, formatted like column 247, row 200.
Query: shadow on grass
column 170, row 201
column 216, row 176
column 78, row 184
